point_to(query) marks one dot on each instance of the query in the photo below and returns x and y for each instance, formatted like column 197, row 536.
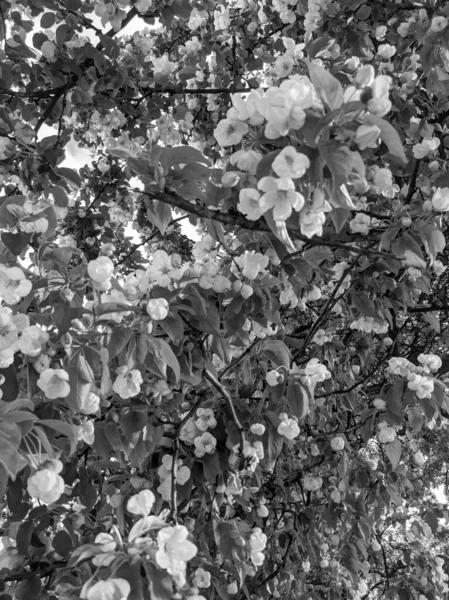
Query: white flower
column 157, row 309
column 162, row 270
column 32, row 340
column 430, row 362
column 257, row 429
column 289, row 428
column 90, row 404
column 440, row 199
column 141, row 503
column 419, row 458
column 174, row 550
column 274, row 378
column 380, row 104
column 54, row 383
column 127, row 385
column 361, row 223
column 386, row 435
column 162, row 66
column 202, row 578
column 252, row 264
column 246, row 160
column 283, row 66
column 111, row 589
column 46, row 484
column 101, row 269
column 312, row 483
column 249, row 204
column 427, row 146
column 13, row 284
column 438, row 24
column 106, row 541
column 423, row 386
column 257, row 540
column 386, row 51
column 48, row 50
column 221, row 18
column 366, row 136
column 379, row 403
column 311, row 223
column 230, row 133
column 281, row 196
column 290, row 164
column 205, row 444
column 232, row 588
column 86, row 432
column 337, row 443
column 196, row 19
column 206, row 419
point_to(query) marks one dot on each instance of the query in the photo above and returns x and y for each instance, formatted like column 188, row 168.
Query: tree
column 258, row 410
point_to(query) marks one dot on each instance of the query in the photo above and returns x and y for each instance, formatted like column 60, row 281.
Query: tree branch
column 217, row 385
column 172, row 199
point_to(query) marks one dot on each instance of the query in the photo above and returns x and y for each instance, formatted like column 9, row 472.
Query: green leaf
column 164, row 356
column 11, row 458
column 159, row 214
column 389, row 136
column 277, row 352
column 393, row 451
column 71, row 175
column 64, row 428
column 23, row 537
column 161, row 585
column 298, row 400
column 62, row 543
column 327, row 85
column 132, row 420
column 119, row 338
column 88, row 492
column 181, row 155
column 16, row 242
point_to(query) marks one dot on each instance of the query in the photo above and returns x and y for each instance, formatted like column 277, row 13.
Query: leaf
column 119, row 338
column 7, row 217
column 165, row 356
column 16, row 242
column 62, row 427
column 433, row 319
column 132, row 421
column 62, row 543
column 161, row 585
column 11, row 458
column 277, row 352
column 159, row 214
column 181, row 155
column 71, row 175
column 341, row 162
column 273, row 444
column 88, row 492
column 327, row 85
column 298, row 400
column 23, row 537
column 393, row 451
column 64, row 313
column 389, row 136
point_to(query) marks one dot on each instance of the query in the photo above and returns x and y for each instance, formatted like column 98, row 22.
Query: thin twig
column 217, row 385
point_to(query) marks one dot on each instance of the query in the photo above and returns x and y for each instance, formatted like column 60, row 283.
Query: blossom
column 257, row 429
column 46, row 484
column 419, row 458
column 162, row 270
column 281, row 196
column 32, row 340
column 423, row 386
column 311, row 223
column 127, row 384
column 274, row 378
column 386, row 435
column 196, row 19
column 366, row 136
column 205, row 444
column 157, row 308
column 229, row 132
column 379, row 403
column 13, row 284
column 116, row 588
column 337, row 443
column 290, row 164
column 283, row 66
column 386, row 51
column 440, row 199
column 312, row 484
column 379, row 103
column 289, row 428
column 314, row 373
column 438, row 24
column 141, row 503
column 361, row 223
column 206, row 419
column 252, row 264
column 246, row 160
column 202, row 578
column 174, row 550
column 101, row 269
column 86, row 432
column 48, row 50
column 427, row 146
column 54, row 383
column 430, row 362
column 221, row 18
column 90, row 404
column 162, row 66
column 249, row 204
